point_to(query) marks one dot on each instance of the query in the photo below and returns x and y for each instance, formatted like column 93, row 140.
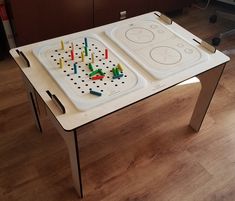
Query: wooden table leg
column 33, row 103
column 209, row 81
column 71, row 141
column 72, row 145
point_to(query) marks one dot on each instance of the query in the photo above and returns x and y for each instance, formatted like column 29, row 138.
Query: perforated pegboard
column 77, row 86
column 155, row 47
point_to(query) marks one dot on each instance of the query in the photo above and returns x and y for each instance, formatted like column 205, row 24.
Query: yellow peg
column 62, row 44
column 120, row 67
column 92, row 58
column 61, row 63
column 82, row 56
column 72, row 46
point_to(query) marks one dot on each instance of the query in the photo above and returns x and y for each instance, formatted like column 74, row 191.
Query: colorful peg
column 95, row 93
column 120, row 67
column 106, row 53
column 92, row 58
column 94, row 73
column 86, row 50
column 90, row 67
column 72, row 54
column 117, row 76
column 114, row 71
column 117, row 71
column 62, row 44
column 85, row 40
column 82, row 56
column 101, row 72
column 98, row 77
column 72, row 46
column 61, row 63
column 75, row 68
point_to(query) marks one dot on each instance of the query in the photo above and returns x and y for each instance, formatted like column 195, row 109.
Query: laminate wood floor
column 146, row 152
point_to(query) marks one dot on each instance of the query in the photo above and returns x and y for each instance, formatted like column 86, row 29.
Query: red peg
column 98, row 77
column 106, row 53
column 72, row 54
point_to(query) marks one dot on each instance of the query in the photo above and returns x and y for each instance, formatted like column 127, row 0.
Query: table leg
column 72, row 145
column 33, row 103
column 71, row 141
column 209, row 81
column 69, row 137
column 35, row 111
column 78, row 167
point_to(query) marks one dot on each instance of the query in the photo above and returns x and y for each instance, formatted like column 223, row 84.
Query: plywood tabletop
column 152, row 84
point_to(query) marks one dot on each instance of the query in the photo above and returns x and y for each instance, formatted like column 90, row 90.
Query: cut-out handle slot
column 206, row 45
column 21, row 54
column 164, row 18
column 56, row 101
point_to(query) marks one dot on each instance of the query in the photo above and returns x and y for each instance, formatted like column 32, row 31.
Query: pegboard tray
column 77, row 86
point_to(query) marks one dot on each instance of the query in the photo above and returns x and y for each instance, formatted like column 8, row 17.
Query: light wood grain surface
column 73, row 118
